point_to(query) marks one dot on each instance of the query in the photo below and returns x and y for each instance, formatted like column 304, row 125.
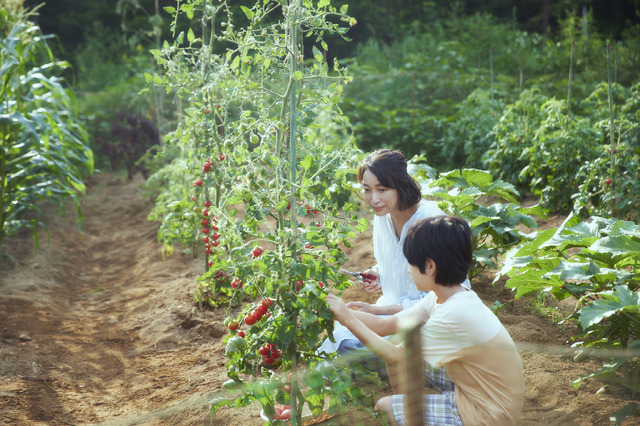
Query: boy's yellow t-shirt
column 478, row 354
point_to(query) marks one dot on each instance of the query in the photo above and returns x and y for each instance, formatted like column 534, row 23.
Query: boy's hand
column 362, row 307
column 337, row 306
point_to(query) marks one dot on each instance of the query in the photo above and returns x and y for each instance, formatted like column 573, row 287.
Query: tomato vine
column 270, row 161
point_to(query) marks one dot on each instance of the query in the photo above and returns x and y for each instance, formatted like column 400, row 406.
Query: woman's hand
column 371, row 280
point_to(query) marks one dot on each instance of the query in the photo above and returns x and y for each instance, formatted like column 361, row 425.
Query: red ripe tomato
column 210, row 264
column 269, row 302
column 320, row 284
column 250, row 319
column 207, row 204
column 205, row 222
column 205, row 230
column 198, row 182
column 207, row 111
column 205, row 239
column 237, row 283
column 208, row 251
column 263, row 351
column 257, row 314
column 269, row 360
column 299, row 285
column 241, row 333
column 261, row 310
column 215, row 236
column 257, row 251
column 222, row 157
column 215, row 243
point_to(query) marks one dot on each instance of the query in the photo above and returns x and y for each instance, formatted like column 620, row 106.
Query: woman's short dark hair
column 446, row 240
column 390, row 167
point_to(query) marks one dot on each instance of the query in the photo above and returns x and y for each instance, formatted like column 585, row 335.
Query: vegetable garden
column 254, row 194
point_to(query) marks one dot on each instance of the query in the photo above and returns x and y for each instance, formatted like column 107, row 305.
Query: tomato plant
column 269, row 162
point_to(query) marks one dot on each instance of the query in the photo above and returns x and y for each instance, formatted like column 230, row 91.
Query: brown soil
column 97, row 328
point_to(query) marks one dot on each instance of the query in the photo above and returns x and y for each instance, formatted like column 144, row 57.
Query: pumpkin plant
column 596, row 262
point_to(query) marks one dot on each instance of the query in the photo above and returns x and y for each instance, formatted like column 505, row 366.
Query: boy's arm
column 368, row 329
column 375, row 309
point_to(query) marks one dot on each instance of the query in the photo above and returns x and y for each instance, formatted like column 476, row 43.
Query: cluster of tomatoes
column 259, row 312
column 270, row 353
column 209, row 229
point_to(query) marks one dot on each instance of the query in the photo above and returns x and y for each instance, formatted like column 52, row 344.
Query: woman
column 397, row 203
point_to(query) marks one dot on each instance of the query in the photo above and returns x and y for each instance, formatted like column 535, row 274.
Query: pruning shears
column 362, row 277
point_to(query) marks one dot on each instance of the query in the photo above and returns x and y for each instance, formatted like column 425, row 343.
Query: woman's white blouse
column 396, row 283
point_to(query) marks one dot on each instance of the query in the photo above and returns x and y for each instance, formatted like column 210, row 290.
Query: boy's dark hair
column 446, row 240
column 390, row 167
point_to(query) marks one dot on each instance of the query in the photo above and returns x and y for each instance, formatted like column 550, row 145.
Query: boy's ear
column 430, row 267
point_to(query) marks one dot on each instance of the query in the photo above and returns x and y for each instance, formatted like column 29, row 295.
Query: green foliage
column 565, row 158
column 597, row 263
column 469, row 130
column 465, row 193
column 43, row 151
column 606, row 189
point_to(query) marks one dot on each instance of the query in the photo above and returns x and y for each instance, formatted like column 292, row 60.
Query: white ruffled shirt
column 393, row 267
column 396, row 283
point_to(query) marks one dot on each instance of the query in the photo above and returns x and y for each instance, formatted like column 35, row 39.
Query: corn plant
column 43, row 150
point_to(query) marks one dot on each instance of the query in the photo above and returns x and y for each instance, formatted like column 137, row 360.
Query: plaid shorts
column 439, row 408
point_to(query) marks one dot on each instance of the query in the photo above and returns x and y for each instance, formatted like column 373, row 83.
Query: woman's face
column 381, row 199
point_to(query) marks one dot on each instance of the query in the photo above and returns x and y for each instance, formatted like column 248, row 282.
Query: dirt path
column 95, row 327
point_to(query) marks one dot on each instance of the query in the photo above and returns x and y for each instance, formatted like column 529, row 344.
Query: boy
column 469, row 356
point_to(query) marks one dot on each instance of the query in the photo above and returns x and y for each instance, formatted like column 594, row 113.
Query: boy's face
column 381, row 199
column 426, row 281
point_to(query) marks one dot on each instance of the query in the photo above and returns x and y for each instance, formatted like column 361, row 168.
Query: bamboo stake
column 479, row 68
column 293, row 68
column 573, row 46
column 491, row 69
column 611, row 136
column 521, row 74
column 413, row 92
column 616, row 67
column 612, row 141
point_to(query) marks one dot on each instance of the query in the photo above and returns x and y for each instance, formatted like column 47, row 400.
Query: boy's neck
column 444, row 292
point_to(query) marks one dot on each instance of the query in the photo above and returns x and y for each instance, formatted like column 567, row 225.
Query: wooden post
column 413, row 376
